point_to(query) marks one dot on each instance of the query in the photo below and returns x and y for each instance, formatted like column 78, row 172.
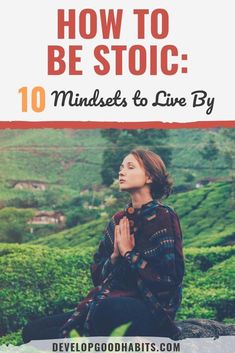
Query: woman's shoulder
column 168, row 215
column 166, row 209
column 162, row 217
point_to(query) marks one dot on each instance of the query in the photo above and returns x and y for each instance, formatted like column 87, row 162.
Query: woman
column 138, row 268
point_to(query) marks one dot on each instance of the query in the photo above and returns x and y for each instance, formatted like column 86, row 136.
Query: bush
column 209, row 287
column 40, row 281
column 37, row 281
column 14, row 338
column 80, row 215
column 13, row 224
column 84, row 235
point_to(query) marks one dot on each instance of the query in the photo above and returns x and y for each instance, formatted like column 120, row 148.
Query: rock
column 193, row 328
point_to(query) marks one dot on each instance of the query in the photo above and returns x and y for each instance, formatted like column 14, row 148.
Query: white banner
column 223, row 344
column 160, row 61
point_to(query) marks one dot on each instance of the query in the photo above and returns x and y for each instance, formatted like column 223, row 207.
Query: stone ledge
column 203, row 328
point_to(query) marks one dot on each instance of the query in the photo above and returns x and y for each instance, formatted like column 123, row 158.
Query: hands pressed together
column 123, row 240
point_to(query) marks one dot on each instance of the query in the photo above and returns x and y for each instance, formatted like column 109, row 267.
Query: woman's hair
column 161, row 185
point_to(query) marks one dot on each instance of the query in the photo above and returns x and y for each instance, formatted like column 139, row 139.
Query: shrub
column 14, row 338
column 37, row 281
column 209, row 287
column 13, row 224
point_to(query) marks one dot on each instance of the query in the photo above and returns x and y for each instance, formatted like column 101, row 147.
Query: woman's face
column 132, row 175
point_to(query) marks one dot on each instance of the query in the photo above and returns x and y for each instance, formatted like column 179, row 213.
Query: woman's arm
column 106, row 256
column 161, row 266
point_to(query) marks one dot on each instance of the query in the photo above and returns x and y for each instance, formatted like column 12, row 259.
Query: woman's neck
column 139, row 199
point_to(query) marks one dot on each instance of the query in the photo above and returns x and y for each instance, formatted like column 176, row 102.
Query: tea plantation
column 39, row 281
column 51, row 274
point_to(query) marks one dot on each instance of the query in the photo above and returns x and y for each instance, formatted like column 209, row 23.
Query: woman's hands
column 123, row 240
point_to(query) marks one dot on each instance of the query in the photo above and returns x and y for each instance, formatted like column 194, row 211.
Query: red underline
column 114, row 125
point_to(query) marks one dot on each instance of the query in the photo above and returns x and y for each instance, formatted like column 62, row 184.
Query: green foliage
column 80, row 209
column 63, row 158
column 210, row 151
column 206, row 216
column 35, row 199
column 186, row 145
column 121, row 142
column 37, row 281
column 121, row 330
column 201, row 259
column 80, row 215
column 209, row 286
column 26, row 199
column 189, row 177
column 118, row 332
column 13, row 224
column 88, row 234
column 71, row 159
column 73, row 334
column 13, row 338
column 41, row 230
column 228, row 136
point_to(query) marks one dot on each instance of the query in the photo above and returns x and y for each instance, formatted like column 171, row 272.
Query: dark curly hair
column 154, row 166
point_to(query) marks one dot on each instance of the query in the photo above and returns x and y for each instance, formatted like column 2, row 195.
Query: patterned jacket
column 155, row 268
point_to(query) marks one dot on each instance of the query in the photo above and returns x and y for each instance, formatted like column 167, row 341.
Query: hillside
column 57, row 157
column 70, row 160
column 84, row 235
column 187, row 162
column 206, row 215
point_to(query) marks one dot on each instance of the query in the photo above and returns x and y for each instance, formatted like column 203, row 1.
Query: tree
column 121, row 142
column 13, row 224
column 210, row 152
column 189, row 177
column 228, row 146
column 229, row 156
